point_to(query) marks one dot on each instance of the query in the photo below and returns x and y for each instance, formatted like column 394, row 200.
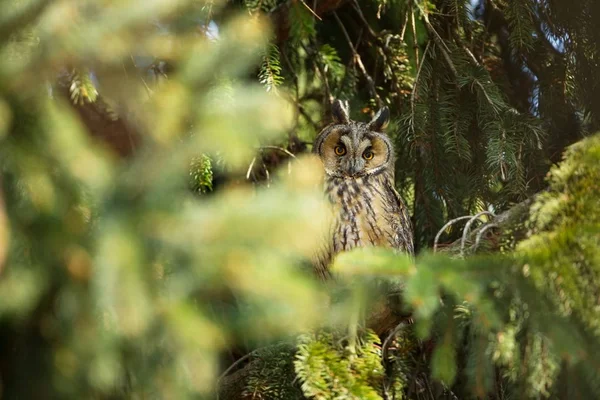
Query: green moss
column 563, row 250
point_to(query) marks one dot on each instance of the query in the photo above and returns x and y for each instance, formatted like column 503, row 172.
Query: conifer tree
column 157, row 208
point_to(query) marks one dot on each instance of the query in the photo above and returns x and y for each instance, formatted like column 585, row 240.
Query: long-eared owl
column 359, row 180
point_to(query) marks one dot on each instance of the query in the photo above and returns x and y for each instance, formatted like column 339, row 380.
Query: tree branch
column 359, row 62
column 280, row 16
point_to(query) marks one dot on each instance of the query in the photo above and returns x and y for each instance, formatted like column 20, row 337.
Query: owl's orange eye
column 339, row 150
column 368, row 155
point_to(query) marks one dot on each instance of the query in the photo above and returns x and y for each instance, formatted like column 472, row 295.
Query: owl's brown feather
column 368, row 210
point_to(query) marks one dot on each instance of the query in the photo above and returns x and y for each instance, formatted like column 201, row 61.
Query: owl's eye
column 339, row 150
column 368, row 154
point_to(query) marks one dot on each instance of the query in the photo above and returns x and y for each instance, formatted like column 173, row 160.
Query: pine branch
column 319, row 67
column 103, row 123
column 357, row 59
column 281, row 19
column 270, row 72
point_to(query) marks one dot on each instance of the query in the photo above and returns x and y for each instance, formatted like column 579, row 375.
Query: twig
column 436, row 37
column 414, row 31
column 359, row 62
column 451, row 222
column 414, row 91
column 307, row 117
column 472, row 57
column 468, row 228
column 481, row 232
column 296, row 100
column 383, row 51
column 388, row 339
column 321, row 72
column 289, row 153
column 363, row 19
column 250, row 168
column 442, row 45
column 384, row 350
column 231, row 367
column 311, row 10
column 487, row 97
column 404, row 27
column 267, row 174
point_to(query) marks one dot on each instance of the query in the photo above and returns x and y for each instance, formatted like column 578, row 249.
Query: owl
column 358, row 159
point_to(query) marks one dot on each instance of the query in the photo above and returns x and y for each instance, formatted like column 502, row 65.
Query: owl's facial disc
column 352, row 150
column 358, row 156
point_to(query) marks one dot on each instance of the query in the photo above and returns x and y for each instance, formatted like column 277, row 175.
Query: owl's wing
column 404, row 230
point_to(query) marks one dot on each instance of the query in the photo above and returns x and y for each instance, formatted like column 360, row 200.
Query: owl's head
column 353, row 149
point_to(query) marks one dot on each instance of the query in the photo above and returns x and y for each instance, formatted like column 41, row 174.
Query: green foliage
column 82, row 88
column 332, row 368
column 118, row 282
column 201, row 174
column 302, row 22
column 114, row 269
column 397, row 71
column 273, row 375
column 565, row 234
column 332, row 64
column 270, row 70
column 528, row 314
column 260, row 5
column 520, row 21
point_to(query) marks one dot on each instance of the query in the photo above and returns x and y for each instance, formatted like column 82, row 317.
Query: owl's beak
column 354, row 167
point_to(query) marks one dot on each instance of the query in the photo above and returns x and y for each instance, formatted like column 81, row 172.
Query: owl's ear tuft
column 340, row 110
column 381, row 120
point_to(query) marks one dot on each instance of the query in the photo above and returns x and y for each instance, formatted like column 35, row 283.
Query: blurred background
column 159, row 204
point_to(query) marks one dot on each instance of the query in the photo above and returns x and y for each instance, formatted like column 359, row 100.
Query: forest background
column 158, row 203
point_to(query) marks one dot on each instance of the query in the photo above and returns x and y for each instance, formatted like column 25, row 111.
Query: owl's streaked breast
column 366, row 208
column 358, row 159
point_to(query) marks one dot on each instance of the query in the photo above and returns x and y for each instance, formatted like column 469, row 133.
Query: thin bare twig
column 442, row 46
column 390, row 337
column 414, row 91
column 467, row 229
column 268, row 174
column 311, row 10
column 321, row 72
column 404, row 27
column 414, row 32
column 289, row 153
column 472, row 57
column 308, row 118
column 231, row 367
column 363, row 19
column 481, row 232
column 359, row 62
column 289, row 166
column 451, row 222
column 436, row 37
column 386, row 345
column 250, row 167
